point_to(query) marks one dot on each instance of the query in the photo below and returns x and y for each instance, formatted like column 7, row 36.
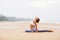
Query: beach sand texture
column 16, row 31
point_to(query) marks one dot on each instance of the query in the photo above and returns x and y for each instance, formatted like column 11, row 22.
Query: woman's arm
column 36, row 28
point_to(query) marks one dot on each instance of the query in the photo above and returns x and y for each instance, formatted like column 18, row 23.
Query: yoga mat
column 39, row 31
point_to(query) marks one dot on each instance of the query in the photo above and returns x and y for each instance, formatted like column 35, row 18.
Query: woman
column 33, row 25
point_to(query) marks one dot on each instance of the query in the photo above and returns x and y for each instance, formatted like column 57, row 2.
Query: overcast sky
column 45, row 9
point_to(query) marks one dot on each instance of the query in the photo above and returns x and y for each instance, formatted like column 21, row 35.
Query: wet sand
column 16, row 31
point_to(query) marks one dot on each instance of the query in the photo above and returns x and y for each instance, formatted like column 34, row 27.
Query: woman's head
column 37, row 19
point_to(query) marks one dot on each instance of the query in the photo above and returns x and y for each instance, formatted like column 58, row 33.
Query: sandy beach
column 16, row 31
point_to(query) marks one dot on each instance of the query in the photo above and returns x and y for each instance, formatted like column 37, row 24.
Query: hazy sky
column 45, row 9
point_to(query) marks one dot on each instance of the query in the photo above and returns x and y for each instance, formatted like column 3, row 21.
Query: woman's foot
column 50, row 30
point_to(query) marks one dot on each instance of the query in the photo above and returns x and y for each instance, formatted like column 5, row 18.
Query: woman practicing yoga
column 33, row 24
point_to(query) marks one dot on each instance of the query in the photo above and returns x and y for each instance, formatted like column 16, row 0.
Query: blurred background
column 26, row 10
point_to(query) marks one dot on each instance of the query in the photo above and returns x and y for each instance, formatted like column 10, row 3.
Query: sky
column 47, row 10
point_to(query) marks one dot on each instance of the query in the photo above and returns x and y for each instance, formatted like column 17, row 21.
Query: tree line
column 4, row 18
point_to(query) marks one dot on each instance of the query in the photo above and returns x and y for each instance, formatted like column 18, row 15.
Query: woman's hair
column 38, row 20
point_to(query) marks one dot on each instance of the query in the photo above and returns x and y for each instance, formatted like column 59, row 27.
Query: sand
column 16, row 31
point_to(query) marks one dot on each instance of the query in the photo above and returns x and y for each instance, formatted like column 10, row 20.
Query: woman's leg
column 31, row 27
